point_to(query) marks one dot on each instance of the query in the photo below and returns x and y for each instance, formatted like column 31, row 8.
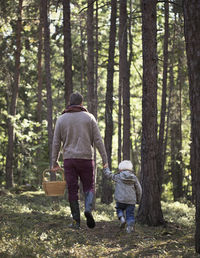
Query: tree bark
column 150, row 207
column 192, row 37
column 39, row 68
column 13, row 104
column 90, row 57
column 106, row 187
column 67, row 50
column 176, row 141
column 160, row 156
column 119, row 151
column 109, row 90
column 82, row 56
column 48, row 77
column 124, row 78
column 96, row 61
column 40, row 84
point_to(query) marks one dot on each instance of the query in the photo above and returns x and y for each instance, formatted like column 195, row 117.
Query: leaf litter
column 33, row 225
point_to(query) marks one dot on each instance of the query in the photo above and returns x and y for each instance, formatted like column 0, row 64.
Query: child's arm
column 138, row 189
column 108, row 173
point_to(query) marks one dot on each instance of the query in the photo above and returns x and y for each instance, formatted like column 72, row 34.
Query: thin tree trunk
column 39, row 68
column 120, row 90
column 119, row 123
column 106, row 187
column 48, row 77
column 124, row 78
column 192, row 36
column 160, row 156
column 67, row 50
column 181, row 82
column 176, row 142
column 109, row 90
column 129, row 75
column 39, row 91
column 169, row 105
column 90, row 57
column 13, row 104
column 96, row 61
column 131, row 43
column 82, row 56
column 150, row 207
column 168, row 113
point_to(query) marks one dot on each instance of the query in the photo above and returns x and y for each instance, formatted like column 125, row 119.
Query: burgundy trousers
column 78, row 168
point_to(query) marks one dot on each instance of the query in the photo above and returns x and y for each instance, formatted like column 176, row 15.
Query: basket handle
column 60, row 170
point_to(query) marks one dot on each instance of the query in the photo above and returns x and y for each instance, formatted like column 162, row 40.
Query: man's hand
column 56, row 168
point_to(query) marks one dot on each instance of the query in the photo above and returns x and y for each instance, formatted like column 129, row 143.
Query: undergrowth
column 33, row 225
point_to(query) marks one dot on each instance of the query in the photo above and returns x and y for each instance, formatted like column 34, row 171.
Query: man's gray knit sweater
column 78, row 132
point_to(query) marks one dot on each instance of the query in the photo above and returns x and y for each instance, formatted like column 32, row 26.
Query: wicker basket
column 54, row 188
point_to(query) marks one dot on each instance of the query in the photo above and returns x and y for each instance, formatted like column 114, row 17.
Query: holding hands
column 56, row 168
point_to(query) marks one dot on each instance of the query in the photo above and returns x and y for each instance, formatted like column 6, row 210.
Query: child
column 128, row 192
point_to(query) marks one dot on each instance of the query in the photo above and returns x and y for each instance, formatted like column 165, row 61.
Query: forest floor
column 34, row 225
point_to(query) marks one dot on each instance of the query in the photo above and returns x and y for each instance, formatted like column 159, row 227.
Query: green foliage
column 180, row 213
column 33, row 225
column 31, row 141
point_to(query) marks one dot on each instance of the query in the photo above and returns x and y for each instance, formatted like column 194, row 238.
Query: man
column 78, row 131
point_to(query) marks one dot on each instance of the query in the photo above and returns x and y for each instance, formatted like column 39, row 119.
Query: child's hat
column 125, row 165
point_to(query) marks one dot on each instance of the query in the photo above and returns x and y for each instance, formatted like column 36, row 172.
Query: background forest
column 128, row 59
column 30, row 121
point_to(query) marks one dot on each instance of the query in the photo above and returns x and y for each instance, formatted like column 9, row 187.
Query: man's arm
column 99, row 142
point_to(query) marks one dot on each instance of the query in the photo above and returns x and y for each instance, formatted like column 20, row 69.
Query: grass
column 33, row 225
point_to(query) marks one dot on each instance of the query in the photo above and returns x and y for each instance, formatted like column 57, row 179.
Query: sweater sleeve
column 56, row 144
column 108, row 173
column 138, row 189
column 98, row 142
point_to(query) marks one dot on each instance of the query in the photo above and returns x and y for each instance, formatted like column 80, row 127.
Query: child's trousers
column 126, row 210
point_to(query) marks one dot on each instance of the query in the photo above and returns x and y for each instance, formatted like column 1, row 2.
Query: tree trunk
column 124, row 78
column 176, row 142
column 13, row 103
column 150, row 207
column 39, row 91
column 67, row 50
column 90, row 58
column 96, row 61
column 48, row 77
column 39, row 68
column 82, row 56
column 192, row 36
column 106, row 187
column 109, row 90
column 160, row 156
column 169, row 105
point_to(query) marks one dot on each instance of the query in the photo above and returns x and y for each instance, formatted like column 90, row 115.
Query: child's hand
column 56, row 168
column 105, row 165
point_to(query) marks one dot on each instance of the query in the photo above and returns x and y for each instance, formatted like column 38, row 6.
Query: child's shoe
column 129, row 229
column 122, row 222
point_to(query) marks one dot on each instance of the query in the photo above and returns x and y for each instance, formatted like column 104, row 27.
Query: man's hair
column 76, row 98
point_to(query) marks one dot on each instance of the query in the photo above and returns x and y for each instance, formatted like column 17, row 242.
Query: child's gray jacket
column 127, row 186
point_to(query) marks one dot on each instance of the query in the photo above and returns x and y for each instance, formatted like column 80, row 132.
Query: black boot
column 88, row 208
column 74, row 206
